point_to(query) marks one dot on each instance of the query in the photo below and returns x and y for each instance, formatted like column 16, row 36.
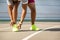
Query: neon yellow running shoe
column 15, row 29
column 34, row 28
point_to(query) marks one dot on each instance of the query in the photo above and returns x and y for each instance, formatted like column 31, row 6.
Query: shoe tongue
column 33, row 25
column 14, row 25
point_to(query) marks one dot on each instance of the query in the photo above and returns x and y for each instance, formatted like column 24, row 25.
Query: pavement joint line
column 33, row 34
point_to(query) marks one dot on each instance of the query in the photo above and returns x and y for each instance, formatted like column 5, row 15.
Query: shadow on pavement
column 53, row 29
column 28, row 30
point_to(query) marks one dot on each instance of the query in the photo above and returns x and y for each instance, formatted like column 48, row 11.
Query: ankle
column 12, row 23
column 20, row 23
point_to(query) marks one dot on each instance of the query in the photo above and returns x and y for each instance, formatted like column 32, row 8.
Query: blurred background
column 47, row 10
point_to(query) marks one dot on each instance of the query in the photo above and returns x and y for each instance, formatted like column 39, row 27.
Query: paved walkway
column 50, row 31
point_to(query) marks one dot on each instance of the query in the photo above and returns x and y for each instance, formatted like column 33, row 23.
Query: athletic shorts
column 12, row 2
column 31, row 1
